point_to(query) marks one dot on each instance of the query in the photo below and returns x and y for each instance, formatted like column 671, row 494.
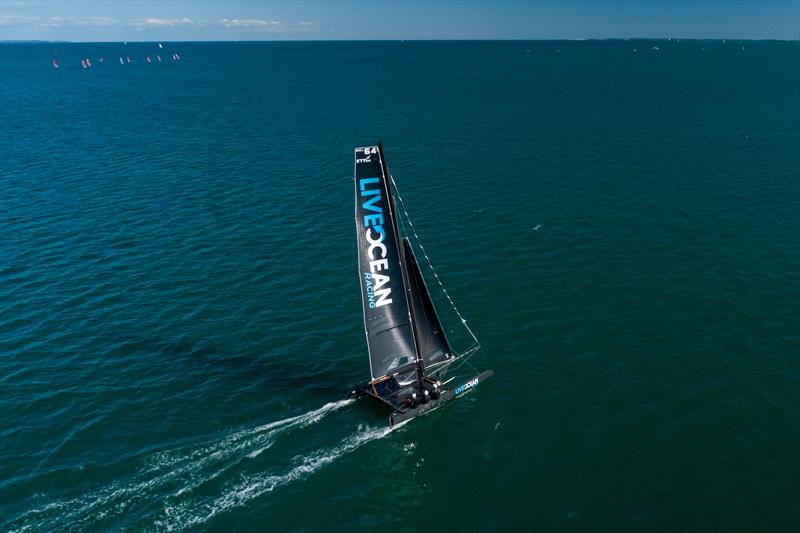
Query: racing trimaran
column 409, row 353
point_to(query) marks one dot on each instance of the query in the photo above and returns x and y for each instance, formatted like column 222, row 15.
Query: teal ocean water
column 180, row 314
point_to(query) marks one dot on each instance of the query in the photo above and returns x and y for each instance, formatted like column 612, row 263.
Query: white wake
column 179, row 471
column 192, row 513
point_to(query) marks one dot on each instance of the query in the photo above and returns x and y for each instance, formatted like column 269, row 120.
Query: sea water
column 179, row 302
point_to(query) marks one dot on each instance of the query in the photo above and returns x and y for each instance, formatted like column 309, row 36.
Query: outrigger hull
column 403, row 413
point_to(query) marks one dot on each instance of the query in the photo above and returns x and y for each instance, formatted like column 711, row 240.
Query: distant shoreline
column 664, row 39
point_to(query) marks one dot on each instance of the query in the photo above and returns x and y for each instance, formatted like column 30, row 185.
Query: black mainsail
column 387, row 318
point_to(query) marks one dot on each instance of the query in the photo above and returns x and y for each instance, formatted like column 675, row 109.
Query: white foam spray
column 193, row 513
column 186, row 468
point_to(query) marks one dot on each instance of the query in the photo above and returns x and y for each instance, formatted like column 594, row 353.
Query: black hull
column 399, row 417
column 403, row 413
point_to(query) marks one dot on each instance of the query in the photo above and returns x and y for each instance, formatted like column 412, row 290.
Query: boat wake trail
column 163, row 484
column 193, row 513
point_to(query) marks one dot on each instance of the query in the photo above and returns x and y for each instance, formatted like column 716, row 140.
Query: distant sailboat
column 128, row 58
column 158, row 57
column 409, row 353
column 160, row 45
column 101, row 59
column 148, row 59
column 83, row 63
column 55, row 63
column 121, row 62
column 88, row 61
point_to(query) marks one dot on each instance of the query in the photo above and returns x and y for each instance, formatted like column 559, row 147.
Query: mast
column 418, row 363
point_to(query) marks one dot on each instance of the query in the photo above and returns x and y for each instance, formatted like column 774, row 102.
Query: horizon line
column 487, row 39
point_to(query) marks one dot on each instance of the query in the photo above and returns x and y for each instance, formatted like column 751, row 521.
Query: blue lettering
column 377, row 294
column 374, row 199
column 466, row 386
column 374, row 220
column 366, row 181
column 369, row 290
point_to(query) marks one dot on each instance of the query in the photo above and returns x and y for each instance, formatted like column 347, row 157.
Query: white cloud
column 14, row 20
column 95, row 21
column 57, row 22
column 153, row 22
column 307, row 26
column 60, row 22
column 251, row 23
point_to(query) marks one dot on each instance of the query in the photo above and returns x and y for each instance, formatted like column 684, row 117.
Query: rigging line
column 428, row 260
column 458, row 363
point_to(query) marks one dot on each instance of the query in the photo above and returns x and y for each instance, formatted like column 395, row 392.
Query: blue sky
column 173, row 20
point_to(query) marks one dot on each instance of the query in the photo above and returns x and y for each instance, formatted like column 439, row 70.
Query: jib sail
column 387, row 320
column 433, row 346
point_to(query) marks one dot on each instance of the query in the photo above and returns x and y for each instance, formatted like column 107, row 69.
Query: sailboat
column 409, row 352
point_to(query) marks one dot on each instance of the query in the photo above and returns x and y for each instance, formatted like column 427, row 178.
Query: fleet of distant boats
column 87, row 62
